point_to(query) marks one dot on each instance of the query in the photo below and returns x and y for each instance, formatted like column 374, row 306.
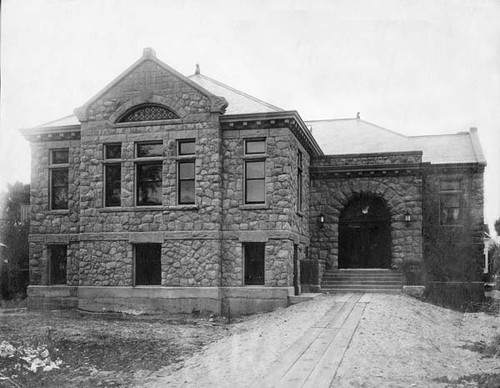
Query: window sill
column 183, row 207
column 147, row 208
column 260, row 206
column 61, row 212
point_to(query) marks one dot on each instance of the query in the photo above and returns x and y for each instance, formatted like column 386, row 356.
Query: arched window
column 149, row 112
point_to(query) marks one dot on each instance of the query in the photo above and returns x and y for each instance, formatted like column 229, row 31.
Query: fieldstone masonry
column 202, row 258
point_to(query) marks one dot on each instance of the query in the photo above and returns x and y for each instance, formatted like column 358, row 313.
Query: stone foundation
column 156, row 299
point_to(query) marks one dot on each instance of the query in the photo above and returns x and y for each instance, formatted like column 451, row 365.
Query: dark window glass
column 254, row 263
column 59, row 188
column 255, row 146
column 149, row 184
column 148, row 113
column 255, row 190
column 146, row 150
column 147, row 264
column 113, row 151
column 186, row 183
column 450, row 209
column 186, row 147
column 299, row 182
column 113, row 177
column 58, row 264
column 59, row 156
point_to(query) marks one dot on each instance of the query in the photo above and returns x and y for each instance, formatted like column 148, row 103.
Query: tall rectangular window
column 186, row 172
column 149, row 171
column 255, row 171
column 299, row 182
column 255, row 181
column 58, row 176
column 147, row 266
column 58, row 255
column 450, row 202
column 112, row 175
column 254, row 263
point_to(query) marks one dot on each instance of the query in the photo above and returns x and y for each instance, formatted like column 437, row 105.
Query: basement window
column 147, row 267
column 254, row 263
column 58, row 257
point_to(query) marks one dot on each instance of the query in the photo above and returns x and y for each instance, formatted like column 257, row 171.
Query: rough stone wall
column 52, row 226
column 329, row 195
column 191, row 263
column 454, row 252
column 277, row 222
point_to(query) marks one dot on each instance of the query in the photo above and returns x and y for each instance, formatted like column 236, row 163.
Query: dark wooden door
column 364, row 234
column 364, row 245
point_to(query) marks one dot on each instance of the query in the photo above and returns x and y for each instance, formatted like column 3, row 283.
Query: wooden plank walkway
column 312, row 361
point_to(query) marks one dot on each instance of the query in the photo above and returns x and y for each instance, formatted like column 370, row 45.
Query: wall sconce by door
column 407, row 217
column 321, row 220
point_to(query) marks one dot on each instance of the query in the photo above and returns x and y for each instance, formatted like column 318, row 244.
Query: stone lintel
column 254, row 236
column 146, row 237
column 53, row 238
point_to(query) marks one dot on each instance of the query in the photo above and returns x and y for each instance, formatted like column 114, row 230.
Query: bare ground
column 400, row 342
column 95, row 350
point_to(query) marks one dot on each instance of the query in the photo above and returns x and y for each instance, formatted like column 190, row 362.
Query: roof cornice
column 289, row 119
column 64, row 132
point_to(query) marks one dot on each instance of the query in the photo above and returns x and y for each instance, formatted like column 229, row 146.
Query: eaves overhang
column 269, row 120
column 66, row 132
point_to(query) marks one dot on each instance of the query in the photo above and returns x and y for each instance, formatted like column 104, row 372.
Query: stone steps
column 362, row 280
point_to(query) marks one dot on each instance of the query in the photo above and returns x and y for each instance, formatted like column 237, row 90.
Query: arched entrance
column 365, row 233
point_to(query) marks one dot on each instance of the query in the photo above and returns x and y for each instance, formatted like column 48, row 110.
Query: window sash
column 112, row 151
column 60, row 156
column 149, row 150
column 59, row 188
column 186, row 147
column 257, row 146
column 450, row 209
column 186, row 182
column 255, row 182
column 149, row 184
column 113, row 181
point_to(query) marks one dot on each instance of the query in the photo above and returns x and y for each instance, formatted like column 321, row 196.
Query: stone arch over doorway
column 401, row 195
column 365, row 233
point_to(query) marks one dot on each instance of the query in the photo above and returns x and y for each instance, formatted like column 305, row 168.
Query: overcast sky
column 416, row 67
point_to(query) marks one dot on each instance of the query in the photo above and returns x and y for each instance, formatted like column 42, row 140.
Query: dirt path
column 390, row 341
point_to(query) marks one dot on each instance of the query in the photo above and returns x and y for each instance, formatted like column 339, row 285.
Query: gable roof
column 150, row 55
column 239, row 102
column 356, row 136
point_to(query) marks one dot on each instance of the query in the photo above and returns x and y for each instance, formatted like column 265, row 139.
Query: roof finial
column 358, row 116
column 148, row 52
column 197, row 71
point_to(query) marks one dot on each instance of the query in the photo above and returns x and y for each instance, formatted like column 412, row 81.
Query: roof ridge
column 441, row 134
column 366, row 122
column 236, row 91
column 345, row 119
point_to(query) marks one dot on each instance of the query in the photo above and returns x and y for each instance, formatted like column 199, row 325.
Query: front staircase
column 361, row 280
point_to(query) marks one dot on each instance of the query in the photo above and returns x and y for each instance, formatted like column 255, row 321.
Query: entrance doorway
column 365, row 233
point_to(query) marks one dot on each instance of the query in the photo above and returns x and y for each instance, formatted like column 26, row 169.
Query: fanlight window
column 148, row 113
